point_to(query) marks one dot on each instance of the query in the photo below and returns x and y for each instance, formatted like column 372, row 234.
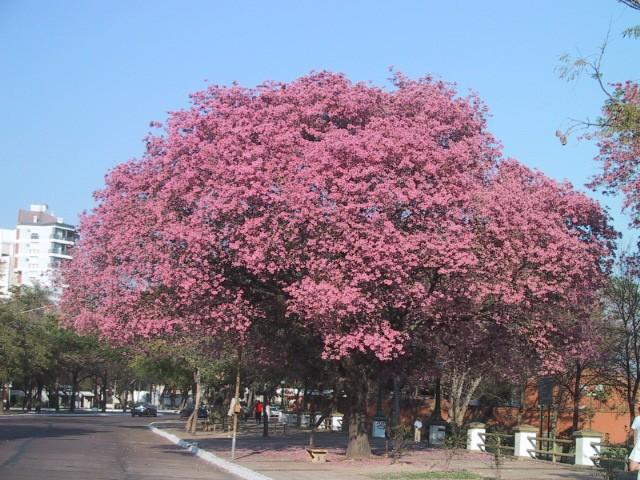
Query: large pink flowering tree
column 372, row 218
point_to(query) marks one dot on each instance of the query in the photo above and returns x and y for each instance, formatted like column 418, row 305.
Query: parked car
column 202, row 412
column 275, row 410
column 144, row 410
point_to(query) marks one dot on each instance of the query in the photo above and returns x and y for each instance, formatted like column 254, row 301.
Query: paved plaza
column 282, row 456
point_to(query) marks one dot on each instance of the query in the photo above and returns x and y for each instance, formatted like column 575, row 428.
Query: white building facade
column 7, row 249
column 42, row 242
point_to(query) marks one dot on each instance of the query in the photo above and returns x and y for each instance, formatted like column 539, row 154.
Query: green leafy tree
column 25, row 342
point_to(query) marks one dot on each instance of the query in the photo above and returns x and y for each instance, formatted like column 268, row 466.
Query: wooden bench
column 209, row 426
column 318, row 455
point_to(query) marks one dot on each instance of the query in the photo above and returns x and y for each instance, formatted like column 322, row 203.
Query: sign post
column 545, row 399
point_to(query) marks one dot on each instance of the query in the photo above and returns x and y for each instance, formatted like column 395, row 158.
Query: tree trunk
column 358, row 444
column 125, row 399
column 103, row 403
column 39, row 389
column 29, row 397
column 184, row 399
column 312, row 424
column 522, row 394
column 192, row 423
column 436, row 414
column 57, row 397
column 74, row 386
column 96, row 396
column 301, row 408
column 250, row 399
column 553, row 420
column 414, row 403
column 463, row 386
column 265, row 417
column 395, row 416
column 3, row 398
column 576, row 396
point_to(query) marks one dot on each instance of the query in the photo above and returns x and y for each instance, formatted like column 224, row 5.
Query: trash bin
column 437, row 434
column 379, row 427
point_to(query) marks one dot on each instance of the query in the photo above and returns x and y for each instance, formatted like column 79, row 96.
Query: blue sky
column 81, row 80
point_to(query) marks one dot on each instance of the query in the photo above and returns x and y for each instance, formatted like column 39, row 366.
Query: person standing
column 231, row 412
column 634, row 456
column 258, row 412
column 417, row 433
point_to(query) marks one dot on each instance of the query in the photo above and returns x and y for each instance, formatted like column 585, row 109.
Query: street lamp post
column 236, row 406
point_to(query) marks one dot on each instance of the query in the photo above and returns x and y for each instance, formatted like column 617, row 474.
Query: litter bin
column 379, row 427
column 437, row 434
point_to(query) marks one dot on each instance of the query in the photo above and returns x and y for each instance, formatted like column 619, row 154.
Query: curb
column 234, row 468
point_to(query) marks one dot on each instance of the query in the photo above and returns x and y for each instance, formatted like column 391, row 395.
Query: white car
column 274, row 410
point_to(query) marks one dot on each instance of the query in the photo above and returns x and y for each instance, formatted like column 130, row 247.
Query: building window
column 35, row 236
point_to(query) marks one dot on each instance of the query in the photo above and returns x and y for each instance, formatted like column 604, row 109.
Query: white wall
column 7, row 246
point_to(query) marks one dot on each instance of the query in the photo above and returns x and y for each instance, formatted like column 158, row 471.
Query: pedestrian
column 231, row 412
column 258, row 412
column 634, row 456
column 417, row 433
column 245, row 411
column 267, row 410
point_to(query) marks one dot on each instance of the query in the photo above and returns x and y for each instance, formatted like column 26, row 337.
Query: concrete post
column 525, row 440
column 336, row 422
column 292, row 419
column 305, row 419
column 584, row 448
column 475, row 441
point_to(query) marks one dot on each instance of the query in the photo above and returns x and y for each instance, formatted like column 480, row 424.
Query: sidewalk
column 283, row 457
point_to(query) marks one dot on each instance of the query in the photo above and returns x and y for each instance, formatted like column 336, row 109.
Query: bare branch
column 635, row 4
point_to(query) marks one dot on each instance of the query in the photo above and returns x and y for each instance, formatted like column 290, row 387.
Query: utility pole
column 236, row 406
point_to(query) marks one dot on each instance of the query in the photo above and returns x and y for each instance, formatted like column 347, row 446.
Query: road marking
column 234, row 468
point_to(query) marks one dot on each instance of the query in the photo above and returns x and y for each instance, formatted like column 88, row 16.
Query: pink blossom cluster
column 368, row 215
column 619, row 146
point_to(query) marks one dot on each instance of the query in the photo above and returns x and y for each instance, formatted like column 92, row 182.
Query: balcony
column 59, row 252
column 68, row 240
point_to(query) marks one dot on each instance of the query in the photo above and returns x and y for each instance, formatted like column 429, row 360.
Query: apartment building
column 41, row 243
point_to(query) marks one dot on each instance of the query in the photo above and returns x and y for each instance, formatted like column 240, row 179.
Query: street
column 111, row 447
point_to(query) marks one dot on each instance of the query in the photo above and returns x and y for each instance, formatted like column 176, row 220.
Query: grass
column 427, row 475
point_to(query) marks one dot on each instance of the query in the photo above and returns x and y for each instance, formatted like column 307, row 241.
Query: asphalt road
column 93, row 448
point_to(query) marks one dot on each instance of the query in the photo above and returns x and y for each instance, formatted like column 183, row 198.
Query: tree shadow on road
column 12, row 431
